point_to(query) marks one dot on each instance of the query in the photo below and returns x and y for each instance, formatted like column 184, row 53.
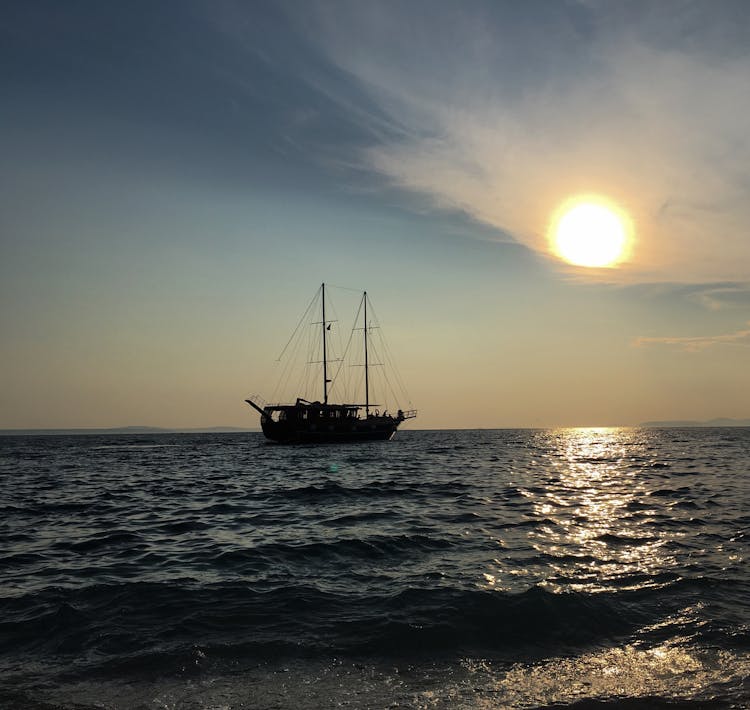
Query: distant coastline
column 127, row 430
column 134, row 430
column 720, row 422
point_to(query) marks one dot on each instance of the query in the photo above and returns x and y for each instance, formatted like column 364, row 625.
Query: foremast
column 325, row 358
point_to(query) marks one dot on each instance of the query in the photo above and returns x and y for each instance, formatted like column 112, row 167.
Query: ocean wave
column 520, row 548
column 100, row 618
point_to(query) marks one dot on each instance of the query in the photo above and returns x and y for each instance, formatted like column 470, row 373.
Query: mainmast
column 367, row 381
column 325, row 364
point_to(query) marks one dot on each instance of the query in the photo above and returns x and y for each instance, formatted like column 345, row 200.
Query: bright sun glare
column 590, row 232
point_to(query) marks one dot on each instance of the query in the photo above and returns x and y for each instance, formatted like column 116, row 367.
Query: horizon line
column 718, row 422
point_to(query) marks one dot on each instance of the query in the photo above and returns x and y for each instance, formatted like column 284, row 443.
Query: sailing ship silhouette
column 324, row 421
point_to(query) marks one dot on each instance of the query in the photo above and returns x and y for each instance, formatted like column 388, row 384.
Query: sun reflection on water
column 664, row 671
column 592, row 513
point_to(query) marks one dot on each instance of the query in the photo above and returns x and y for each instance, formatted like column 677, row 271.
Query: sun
column 591, row 232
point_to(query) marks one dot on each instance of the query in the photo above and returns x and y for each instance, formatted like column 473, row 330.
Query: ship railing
column 410, row 414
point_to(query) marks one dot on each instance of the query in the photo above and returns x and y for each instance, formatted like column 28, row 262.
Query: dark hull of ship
column 286, row 432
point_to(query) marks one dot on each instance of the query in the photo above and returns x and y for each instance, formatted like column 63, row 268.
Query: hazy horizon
column 720, row 422
column 179, row 179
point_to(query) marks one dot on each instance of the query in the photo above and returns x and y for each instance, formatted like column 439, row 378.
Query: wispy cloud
column 723, row 296
column 505, row 110
column 697, row 343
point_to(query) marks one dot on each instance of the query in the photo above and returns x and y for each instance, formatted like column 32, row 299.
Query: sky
column 178, row 178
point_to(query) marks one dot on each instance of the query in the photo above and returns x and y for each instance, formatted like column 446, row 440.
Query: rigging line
column 334, row 344
column 353, row 375
column 304, row 315
column 286, row 374
column 402, row 394
column 312, row 368
column 388, row 387
column 371, row 373
column 396, row 376
column 281, row 380
column 302, row 356
column 391, row 360
column 396, row 372
column 299, row 351
column 291, row 362
column 288, row 369
column 345, row 288
column 348, row 343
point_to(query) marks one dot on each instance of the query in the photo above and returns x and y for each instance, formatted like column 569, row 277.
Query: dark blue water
column 492, row 569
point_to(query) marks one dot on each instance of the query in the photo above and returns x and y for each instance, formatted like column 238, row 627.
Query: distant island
column 128, row 430
column 721, row 422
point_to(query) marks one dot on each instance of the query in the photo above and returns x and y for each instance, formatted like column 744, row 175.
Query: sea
column 567, row 568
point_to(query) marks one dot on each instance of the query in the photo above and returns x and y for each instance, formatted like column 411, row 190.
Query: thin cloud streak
column 725, row 296
column 698, row 343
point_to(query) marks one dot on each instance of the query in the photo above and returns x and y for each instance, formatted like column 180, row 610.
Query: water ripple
column 138, row 557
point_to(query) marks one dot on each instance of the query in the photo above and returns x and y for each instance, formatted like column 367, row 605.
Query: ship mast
column 367, row 381
column 325, row 364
